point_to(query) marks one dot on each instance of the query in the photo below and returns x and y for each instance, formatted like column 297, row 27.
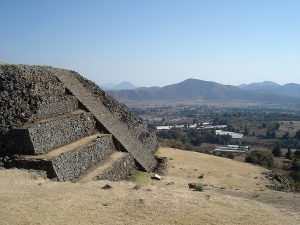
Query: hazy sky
column 156, row 42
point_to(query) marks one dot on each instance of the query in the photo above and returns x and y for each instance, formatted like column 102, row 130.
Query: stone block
column 45, row 135
column 122, row 168
column 55, row 105
column 69, row 162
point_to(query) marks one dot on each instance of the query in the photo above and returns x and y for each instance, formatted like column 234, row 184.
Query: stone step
column 47, row 134
column 70, row 161
column 55, row 105
column 118, row 166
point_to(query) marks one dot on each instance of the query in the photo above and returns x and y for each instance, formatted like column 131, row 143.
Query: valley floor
column 234, row 193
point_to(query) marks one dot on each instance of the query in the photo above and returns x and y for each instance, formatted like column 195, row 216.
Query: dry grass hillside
column 234, row 193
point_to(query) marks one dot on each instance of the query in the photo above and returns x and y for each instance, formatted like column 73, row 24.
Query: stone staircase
column 44, row 135
column 117, row 166
column 105, row 117
column 66, row 146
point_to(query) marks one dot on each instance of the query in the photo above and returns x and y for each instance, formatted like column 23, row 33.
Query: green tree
column 297, row 135
column 297, row 154
column 276, row 126
column 276, row 151
column 296, row 164
column 260, row 158
column 246, row 132
column 288, row 155
column 270, row 134
column 286, row 136
column 296, row 168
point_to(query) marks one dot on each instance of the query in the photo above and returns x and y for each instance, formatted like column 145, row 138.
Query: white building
column 164, row 127
column 193, row 125
column 232, row 149
column 232, row 134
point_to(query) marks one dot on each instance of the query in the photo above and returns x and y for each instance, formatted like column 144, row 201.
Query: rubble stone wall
column 21, row 90
column 28, row 93
column 120, row 170
column 72, row 164
column 35, row 139
column 55, row 105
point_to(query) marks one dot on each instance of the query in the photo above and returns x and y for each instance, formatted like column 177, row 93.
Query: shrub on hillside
column 173, row 144
column 260, row 158
column 199, row 187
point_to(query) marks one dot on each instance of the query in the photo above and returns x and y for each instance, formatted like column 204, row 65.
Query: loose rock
column 201, row 176
column 156, row 177
column 106, row 187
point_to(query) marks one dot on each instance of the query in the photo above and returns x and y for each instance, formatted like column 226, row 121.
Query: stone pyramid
column 57, row 121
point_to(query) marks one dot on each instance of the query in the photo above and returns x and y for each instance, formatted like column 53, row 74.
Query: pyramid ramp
column 104, row 116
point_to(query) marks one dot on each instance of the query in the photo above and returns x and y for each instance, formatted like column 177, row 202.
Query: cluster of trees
column 296, row 169
column 261, row 158
column 190, row 138
column 290, row 142
column 266, row 159
column 271, row 132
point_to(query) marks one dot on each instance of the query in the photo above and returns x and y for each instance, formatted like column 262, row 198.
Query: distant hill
column 188, row 89
column 107, row 86
column 149, row 89
column 193, row 89
column 199, row 89
column 266, row 85
column 290, row 89
column 125, row 85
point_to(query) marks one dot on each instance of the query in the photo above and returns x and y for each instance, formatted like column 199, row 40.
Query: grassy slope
column 25, row 200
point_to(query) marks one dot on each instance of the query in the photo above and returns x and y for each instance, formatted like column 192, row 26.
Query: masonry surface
column 57, row 121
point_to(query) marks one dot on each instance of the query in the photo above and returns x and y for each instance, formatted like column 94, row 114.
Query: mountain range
column 265, row 85
column 193, row 89
column 290, row 89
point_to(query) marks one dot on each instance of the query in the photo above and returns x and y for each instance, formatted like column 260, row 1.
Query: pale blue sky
column 156, row 42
